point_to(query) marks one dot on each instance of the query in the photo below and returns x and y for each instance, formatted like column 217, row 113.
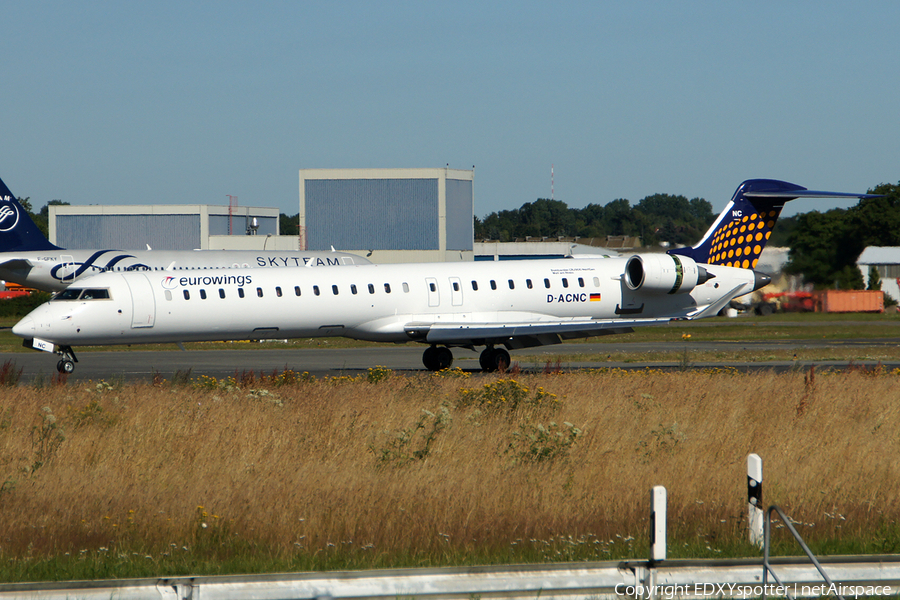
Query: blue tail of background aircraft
column 18, row 233
column 740, row 233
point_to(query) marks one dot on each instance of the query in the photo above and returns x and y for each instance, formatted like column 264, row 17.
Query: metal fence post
column 658, row 523
column 754, row 499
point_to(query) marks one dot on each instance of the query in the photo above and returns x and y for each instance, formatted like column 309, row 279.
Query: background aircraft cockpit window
column 68, row 294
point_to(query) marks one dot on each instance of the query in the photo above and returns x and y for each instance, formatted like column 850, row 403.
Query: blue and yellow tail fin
column 739, row 234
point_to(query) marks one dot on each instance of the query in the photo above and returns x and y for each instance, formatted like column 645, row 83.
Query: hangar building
column 389, row 215
column 168, row 227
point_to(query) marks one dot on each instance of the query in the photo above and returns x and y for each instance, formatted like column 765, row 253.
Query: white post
column 658, row 523
column 754, row 499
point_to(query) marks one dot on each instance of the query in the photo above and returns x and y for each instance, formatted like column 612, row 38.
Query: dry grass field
column 103, row 479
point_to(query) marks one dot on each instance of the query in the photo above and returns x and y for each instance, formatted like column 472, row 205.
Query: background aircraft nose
column 24, row 328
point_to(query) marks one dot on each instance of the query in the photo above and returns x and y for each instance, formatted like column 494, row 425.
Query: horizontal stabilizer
column 714, row 308
column 16, row 264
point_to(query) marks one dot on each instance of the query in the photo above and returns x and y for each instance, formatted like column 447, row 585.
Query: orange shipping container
column 849, row 301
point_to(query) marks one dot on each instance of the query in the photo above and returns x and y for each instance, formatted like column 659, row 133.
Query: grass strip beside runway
column 288, row 472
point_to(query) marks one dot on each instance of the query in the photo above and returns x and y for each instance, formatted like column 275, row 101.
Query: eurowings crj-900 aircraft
column 29, row 259
column 500, row 305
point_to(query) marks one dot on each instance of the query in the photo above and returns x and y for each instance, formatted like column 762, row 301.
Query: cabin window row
column 370, row 288
column 564, row 281
column 316, row 290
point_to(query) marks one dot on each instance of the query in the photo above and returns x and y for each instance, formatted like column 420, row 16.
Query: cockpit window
column 68, row 294
column 94, row 294
column 83, row 294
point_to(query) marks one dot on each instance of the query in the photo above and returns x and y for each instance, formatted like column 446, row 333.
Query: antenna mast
column 551, row 182
column 232, row 204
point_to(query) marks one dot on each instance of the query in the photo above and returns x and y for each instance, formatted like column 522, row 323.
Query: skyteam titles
column 295, row 261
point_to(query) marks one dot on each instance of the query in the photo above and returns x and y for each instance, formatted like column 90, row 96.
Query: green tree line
column 657, row 218
column 826, row 245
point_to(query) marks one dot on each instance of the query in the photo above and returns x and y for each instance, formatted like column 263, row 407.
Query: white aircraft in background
column 500, row 305
column 29, row 259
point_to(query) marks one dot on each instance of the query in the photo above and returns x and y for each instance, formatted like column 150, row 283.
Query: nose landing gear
column 66, row 364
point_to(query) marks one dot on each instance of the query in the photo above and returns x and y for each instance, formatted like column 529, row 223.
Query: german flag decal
column 595, row 297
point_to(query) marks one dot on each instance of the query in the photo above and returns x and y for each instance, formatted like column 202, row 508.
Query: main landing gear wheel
column 437, row 358
column 494, row 359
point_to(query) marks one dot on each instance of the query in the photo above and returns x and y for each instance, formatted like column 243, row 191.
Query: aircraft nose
column 24, row 328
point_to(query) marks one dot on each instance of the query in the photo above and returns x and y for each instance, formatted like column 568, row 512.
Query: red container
column 836, row 301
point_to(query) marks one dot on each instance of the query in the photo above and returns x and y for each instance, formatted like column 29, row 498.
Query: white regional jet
column 499, row 305
column 29, row 259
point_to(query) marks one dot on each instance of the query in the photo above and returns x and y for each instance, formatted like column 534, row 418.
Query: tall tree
column 826, row 246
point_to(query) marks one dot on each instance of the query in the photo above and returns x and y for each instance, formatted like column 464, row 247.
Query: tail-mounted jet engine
column 664, row 274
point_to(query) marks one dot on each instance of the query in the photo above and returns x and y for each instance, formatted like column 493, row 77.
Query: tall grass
column 289, row 472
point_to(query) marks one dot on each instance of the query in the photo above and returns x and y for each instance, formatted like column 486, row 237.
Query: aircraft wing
column 521, row 335
column 543, row 333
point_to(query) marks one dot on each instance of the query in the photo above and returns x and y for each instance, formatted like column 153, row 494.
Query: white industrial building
column 168, row 227
column 886, row 259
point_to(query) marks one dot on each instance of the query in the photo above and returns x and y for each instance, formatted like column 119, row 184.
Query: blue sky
column 186, row 102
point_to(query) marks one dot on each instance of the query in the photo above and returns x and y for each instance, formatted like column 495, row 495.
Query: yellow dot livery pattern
column 739, row 242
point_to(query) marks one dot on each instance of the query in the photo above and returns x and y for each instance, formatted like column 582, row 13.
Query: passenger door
column 142, row 301
column 67, row 268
